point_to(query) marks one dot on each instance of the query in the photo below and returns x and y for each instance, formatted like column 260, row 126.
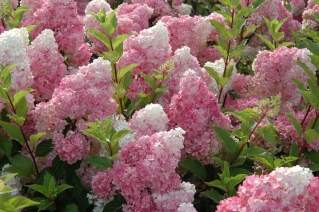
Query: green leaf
column 44, row 148
column 20, row 202
column 313, row 156
column 126, row 70
column 221, row 29
column 284, row 161
column 62, row 188
column 39, row 188
column 118, row 40
column 22, row 165
column 100, row 130
column 216, row 76
column 100, row 162
column 217, row 184
column 213, row 195
column 269, row 134
column 71, row 208
column 266, row 41
column 36, row 137
column 195, row 167
column 228, row 142
column 13, row 131
column 110, row 23
column 311, row 135
column 293, row 150
column 100, row 36
column 295, row 123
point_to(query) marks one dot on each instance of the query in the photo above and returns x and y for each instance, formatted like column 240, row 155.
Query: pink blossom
column 147, row 166
column 149, row 120
column 285, row 189
column 133, row 18
column 47, row 64
column 61, row 17
column 274, row 9
column 161, row 7
column 73, row 102
column 308, row 16
column 195, row 109
column 275, row 72
column 149, row 50
column 72, row 147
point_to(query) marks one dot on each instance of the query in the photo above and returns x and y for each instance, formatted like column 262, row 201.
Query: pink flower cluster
column 145, row 174
column 149, row 50
column 194, row 32
column 274, row 75
column 72, row 104
column 62, row 18
column 274, row 9
column 285, row 189
column 308, row 16
column 47, row 64
column 195, row 109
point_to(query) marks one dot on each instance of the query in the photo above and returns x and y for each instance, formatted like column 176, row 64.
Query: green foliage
column 195, row 167
column 104, row 132
column 226, row 182
column 276, row 36
column 50, row 189
column 9, row 202
column 12, row 17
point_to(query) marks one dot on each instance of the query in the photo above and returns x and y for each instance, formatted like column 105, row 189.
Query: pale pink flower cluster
column 61, row 17
column 72, row 104
column 308, row 16
column 149, row 50
column 13, row 45
column 161, row 7
column 182, row 60
column 132, row 18
column 145, row 174
column 284, row 189
column 195, row 109
column 149, row 120
column 274, row 75
column 194, row 32
column 47, row 65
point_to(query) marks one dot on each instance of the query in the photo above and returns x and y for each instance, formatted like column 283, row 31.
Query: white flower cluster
column 150, row 119
column 295, row 179
column 13, row 45
column 177, row 198
column 155, row 37
column 45, row 40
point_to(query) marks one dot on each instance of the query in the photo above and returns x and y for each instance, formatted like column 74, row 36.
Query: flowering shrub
column 159, row 105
